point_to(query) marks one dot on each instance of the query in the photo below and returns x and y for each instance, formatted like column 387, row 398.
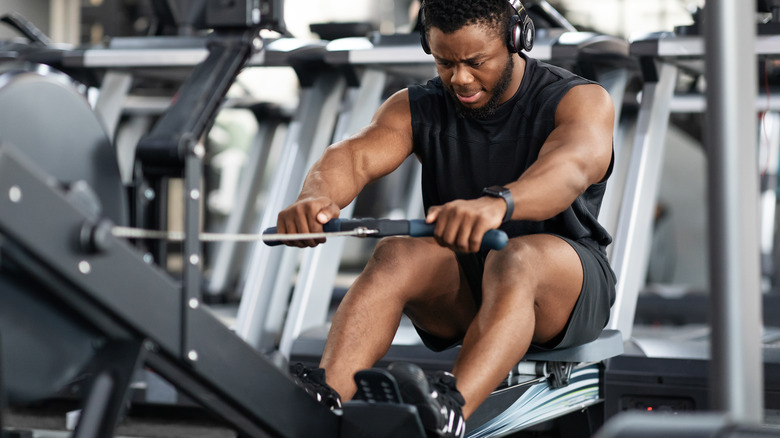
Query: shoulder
column 396, row 105
column 588, row 101
column 548, row 84
column 394, row 113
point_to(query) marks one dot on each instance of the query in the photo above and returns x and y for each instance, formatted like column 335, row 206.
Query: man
column 505, row 142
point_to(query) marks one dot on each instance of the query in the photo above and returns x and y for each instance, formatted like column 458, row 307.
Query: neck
column 517, row 77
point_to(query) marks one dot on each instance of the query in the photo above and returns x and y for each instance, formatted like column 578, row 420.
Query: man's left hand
column 461, row 224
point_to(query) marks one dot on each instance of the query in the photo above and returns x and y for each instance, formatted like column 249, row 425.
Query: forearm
column 556, row 179
column 334, row 176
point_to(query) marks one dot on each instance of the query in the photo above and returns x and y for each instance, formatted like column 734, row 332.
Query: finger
column 475, row 240
column 448, row 227
column 466, row 235
column 433, row 213
column 463, row 239
column 329, row 212
column 284, row 223
column 315, row 226
column 302, row 226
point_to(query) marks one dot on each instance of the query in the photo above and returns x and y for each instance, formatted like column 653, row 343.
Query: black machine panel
column 43, row 114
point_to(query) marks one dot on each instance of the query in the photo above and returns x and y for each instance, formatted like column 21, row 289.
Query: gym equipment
column 494, row 239
column 189, row 348
column 104, row 284
column 153, row 320
column 115, row 310
column 733, row 352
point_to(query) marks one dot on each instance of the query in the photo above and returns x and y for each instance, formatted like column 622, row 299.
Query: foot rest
column 377, row 386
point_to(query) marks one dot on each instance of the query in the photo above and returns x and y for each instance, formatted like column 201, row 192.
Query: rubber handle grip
column 493, row 239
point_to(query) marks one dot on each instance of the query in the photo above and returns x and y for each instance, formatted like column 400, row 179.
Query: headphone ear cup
column 528, row 34
column 424, row 42
column 514, row 39
column 423, row 38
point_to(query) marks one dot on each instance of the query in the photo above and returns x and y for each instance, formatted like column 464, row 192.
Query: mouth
column 468, row 97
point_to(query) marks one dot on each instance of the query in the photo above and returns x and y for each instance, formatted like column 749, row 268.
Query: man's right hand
column 306, row 215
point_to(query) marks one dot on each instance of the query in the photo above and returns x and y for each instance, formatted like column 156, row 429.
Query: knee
column 395, row 269
column 393, row 252
column 515, row 260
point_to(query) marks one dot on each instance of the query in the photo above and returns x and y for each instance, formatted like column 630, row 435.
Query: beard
column 492, row 104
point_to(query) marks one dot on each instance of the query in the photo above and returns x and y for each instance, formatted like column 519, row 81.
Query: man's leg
column 402, row 274
column 529, row 290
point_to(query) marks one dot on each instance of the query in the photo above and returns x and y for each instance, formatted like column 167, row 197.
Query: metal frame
column 110, row 284
column 632, row 236
column 737, row 366
column 729, row 50
column 308, row 134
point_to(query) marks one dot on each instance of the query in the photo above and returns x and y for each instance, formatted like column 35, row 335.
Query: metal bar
column 632, row 239
column 181, row 236
column 697, row 103
column 769, row 159
column 191, row 253
column 110, row 102
column 315, row 115
column 737, row 373
column 310, row 300
column 228, row 258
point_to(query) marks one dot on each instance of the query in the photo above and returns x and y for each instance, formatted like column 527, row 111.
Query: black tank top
column 460, row 156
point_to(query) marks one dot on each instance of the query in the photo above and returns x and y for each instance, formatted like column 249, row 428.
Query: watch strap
column 506, row 195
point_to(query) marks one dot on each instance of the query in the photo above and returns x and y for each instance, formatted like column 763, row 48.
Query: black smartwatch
column 502, row 192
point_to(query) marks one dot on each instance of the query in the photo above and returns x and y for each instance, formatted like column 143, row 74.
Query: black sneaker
column 313, row 381
column 438, row 401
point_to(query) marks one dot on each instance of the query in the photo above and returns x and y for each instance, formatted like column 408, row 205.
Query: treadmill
column 668, row 365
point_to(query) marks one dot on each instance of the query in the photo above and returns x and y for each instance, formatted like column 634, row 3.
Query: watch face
column 501, row 192
column 495, row 191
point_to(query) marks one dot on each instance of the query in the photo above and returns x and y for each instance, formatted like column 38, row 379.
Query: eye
column 443, row 63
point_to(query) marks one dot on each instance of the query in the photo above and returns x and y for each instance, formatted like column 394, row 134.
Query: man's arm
column 347, row 166
column 576, row 155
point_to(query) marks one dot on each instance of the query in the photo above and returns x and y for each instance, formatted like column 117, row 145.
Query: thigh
column 427, row 277
column 592, row 310
column 540, row 270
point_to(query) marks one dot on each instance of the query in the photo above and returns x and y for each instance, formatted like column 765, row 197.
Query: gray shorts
column 589, row 316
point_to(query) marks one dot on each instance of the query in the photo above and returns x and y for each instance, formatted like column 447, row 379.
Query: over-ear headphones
column 520, row 30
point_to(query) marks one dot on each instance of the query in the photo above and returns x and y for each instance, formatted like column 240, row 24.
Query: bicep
column 385, row 143
column 582, row 137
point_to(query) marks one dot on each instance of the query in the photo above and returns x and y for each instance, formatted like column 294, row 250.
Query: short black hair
column 451, row 15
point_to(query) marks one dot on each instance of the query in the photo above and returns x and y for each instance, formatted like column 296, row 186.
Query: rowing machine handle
column 493, row 239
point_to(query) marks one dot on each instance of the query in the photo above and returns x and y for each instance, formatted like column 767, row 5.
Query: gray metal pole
column 737, row 365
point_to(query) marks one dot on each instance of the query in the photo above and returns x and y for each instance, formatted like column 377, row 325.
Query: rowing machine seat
column 608, row 344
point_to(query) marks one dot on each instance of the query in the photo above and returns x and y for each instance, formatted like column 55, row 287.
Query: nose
column 461, row 76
